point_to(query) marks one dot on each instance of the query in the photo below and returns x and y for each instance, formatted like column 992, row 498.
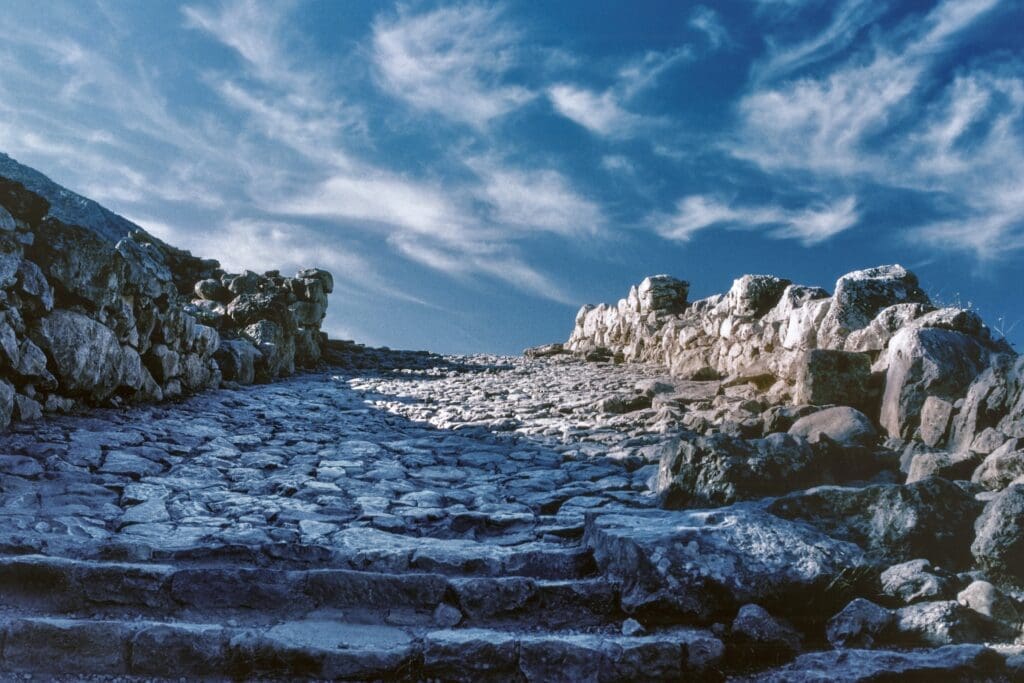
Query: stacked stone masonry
column 101, row 313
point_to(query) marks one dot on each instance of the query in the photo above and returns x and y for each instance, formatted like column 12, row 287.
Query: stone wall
column 877, row 343
column 98, row 312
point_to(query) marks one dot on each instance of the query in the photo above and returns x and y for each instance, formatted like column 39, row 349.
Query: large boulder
column 842, row 424
column 998, row 546
column 995, row 399
column 932, row 518
column 720, row 469
column 705, row 564
column 662, row 293
column 859, row 296
column 237, row 360
column 926, row 362
column 948, row 663
column 277, row 350
column 752, row 296
column 82, row 266
column 831, row 377
column 1001, row 467
column 86, row 356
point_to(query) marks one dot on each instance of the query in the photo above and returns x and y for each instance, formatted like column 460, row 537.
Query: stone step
column 362, row 548
column 346, row 651
column 66, row 586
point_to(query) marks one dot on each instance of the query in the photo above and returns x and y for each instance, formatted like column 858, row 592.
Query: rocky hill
column 95, row 311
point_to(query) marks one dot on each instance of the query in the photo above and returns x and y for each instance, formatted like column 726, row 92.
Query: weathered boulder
column 759, row 638
column 705, row 564
column 859, row 296
column 662, row 293
column 754, row 295
column 237, row 360
column 86, row 355
column 998, row 546
column 831, row 377
column 842, row 424
column 931, row 518
column 945, row 622
column 1000, row 468
column 948, row 663
column 936, row 416
column 983, row 597
column 861, row 623
column 82, row 266
column 926, row 362
column 720, row 469
column 6, row 398
column 951, row 466
column 277, row 350
column 995, row 399
column 918, row 580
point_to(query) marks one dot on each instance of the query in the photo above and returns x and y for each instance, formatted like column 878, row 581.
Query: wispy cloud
column 809, row 226
column 597, row 112
column 536, row 200
column 452, row 61
column 874, row 118
column 849, row 19
column 707, row 21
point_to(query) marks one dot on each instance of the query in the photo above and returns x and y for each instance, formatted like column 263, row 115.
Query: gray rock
column 842, row 424
column 945, row 623
column 26, row 410
column 861, row 295
column 861, row 623
column 33, row 283
column 662, row 293
column 998, row 546
column 1000, row 468
column 706, row 564
column 930, row 518
column 86, row 355
column 758, row 637
column 984, row 598
column 918, row 580
column 952, row 662
column 544, row 351
column 237, row 360
column 754, row 295
column 995, row 398
column 951, row 466
column 936, row 416
column 922, row 363
column 832, row 377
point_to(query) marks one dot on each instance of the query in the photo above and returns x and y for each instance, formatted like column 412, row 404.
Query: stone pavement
column 418, row 516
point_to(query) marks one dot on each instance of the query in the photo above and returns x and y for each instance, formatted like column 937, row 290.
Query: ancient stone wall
column 877, row 344
column 99, row 313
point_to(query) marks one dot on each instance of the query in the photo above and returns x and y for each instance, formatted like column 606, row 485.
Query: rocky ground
column 411, row 516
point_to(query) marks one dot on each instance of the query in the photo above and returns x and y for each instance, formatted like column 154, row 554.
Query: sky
column 472, row 173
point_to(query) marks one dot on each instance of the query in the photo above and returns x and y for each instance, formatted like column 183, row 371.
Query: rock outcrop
column 95, row 311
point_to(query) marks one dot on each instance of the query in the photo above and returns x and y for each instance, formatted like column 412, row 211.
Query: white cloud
column 869, row 118
column 599, row 113
column 540, row 200
column 849, row 19
column 452, row 61
column 707, row 21
column 809, row 226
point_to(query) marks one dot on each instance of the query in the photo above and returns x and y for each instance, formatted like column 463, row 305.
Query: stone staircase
column 417, row 609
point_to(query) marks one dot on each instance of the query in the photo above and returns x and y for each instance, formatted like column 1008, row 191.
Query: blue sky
column 472, row 173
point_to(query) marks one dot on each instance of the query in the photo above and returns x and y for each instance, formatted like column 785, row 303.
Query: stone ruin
column 95, row 311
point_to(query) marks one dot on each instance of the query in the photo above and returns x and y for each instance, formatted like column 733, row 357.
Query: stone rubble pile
column 93, row 310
